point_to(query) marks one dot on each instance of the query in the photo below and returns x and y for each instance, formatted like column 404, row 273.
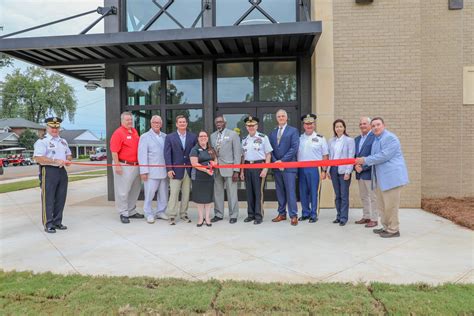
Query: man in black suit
column 177, row 147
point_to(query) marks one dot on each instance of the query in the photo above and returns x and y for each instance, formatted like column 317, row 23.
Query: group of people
column 186, row 160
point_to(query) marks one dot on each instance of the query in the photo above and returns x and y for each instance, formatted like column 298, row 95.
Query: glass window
column 142, row 119
column 143, row 86
column 184, row 84
column 229, row 11
column 277, row 81
column 236, row 123
column 235, row 82
column 139, row 13
column 195, row 119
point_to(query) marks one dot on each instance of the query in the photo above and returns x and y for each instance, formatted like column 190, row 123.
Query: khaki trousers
column 127, row 187
column 176, row 186
column 389, row 203
column 369, row 200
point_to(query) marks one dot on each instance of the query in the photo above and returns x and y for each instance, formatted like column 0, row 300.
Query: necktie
column 280, row 130
column 218, row 141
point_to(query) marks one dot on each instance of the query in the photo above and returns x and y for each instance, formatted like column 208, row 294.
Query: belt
column 132, row 163
column 254, row 161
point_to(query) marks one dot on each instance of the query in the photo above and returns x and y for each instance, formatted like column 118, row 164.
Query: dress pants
column 53, row 183
column 389, row 203
column 369, row 200
column 254, row 187
column 152, row 186
column 341, row 190
column 285, row 184
column 309, row 191
column 127, row 187
column 179, row 185
column 220, row 183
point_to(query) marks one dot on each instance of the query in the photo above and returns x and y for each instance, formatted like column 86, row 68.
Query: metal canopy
column 84, row 56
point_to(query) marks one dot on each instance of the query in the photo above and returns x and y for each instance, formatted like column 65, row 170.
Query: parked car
column 4, row 162
column 99, row 155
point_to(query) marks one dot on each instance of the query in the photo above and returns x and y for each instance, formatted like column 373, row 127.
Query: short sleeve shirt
column 256, row 147
column 125, row 144
column 312, row 147
column 204, row 158
column 52, row 148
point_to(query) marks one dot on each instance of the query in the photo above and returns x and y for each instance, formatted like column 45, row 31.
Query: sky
column 17, row 15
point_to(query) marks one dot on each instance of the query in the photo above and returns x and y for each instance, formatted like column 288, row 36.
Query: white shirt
column 183, row 138
column 338, row 145
column 256, row 147
column 52, row 148
column 312, row 147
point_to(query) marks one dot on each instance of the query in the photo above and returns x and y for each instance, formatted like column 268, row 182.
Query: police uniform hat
column 309, row 118
column 54, row 122
column 251, row 120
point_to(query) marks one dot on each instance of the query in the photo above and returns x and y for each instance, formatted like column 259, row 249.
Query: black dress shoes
column 313, row 220
column 248, row 219
column 232, row 220
column 124, row 219
column 303, row 218
column 342, row 224
column 137, row 215
column 50, row 230
column 257, row 221
column 336, row 221
column 215, row 219
column 60, row 227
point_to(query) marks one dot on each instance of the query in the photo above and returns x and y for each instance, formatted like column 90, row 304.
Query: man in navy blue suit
column 177, row 147
column 363, row 146
column 285, row 141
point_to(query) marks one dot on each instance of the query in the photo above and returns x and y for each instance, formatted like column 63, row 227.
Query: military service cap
column 251, row 120
column 309, row 118
column 54, row 122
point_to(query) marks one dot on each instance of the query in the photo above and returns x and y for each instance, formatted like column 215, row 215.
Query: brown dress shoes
column 279, row 218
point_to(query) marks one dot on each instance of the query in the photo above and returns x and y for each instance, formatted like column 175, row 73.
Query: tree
column 28, row 139
column 5, row 60
column 35, row 95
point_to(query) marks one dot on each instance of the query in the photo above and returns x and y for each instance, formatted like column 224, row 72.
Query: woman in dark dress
column 202, row 178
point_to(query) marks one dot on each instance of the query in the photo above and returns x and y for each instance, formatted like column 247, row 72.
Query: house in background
column 18, row 125
column 81, row 141
column 8, row 139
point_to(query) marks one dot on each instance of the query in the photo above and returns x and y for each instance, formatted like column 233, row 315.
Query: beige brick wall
column 377, row 72
column 447, row 124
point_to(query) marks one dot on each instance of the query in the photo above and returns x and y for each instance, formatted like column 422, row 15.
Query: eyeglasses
column 202, row 136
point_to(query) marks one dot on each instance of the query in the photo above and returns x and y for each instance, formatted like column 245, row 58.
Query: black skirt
column 203, row 191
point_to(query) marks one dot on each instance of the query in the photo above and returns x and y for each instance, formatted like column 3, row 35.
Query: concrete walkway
column 431, row 249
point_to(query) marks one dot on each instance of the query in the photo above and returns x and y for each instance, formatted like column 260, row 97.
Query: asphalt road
column 18, row 172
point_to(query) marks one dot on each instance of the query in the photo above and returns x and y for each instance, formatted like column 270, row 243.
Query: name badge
column 129, row 137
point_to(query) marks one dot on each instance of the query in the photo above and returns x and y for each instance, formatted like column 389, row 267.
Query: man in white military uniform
column 227, row 145
column 256, row 149
column 312, row 147
column 150, row 152
column 52, row 153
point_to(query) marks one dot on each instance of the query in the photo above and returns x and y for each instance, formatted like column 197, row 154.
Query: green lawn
column 28, row 184
column 24, row 293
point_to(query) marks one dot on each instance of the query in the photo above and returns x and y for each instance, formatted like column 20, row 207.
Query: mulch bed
column 460, row 211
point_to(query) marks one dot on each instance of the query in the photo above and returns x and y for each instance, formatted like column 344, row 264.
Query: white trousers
column 152, row 186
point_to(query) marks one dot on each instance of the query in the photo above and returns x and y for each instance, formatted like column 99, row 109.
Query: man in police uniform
column 312, row 147
column 52, row 153
column 256, row 149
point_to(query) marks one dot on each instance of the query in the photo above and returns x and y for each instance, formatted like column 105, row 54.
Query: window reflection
column 142, row 119
column 235, row 82
column 184, row 84
column 143, row 86
column 195, row 119
column 229, row 11
column 236, row 123
column 277, row 81
column 139, row 12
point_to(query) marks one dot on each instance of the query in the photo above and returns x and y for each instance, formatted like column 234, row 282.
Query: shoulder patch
column 319, row 135
column 261, row 134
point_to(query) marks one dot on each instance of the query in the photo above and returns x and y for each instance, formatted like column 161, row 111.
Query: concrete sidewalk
column 430, row 249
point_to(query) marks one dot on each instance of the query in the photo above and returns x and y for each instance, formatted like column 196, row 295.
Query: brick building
column 409, row 61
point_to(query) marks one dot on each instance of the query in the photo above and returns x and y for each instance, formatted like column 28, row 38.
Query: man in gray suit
column 150, row 152
column 226, row 143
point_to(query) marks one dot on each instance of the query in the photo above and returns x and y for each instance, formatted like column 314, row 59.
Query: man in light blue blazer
column 389, row 175
column 151, row 152
column 285, row 141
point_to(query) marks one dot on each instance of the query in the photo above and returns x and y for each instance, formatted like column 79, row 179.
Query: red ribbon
column 271, row 165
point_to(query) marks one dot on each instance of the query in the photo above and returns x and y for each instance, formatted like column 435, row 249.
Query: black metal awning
column 84, row 56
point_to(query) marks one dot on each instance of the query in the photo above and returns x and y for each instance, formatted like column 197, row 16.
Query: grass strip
column 26, row 293
column 29, row 184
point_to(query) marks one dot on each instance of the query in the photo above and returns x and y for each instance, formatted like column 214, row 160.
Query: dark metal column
column 305, row 84
column 208, row 95
column 113, row 96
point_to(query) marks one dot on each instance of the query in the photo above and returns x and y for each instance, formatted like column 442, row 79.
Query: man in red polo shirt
column 127, row 185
